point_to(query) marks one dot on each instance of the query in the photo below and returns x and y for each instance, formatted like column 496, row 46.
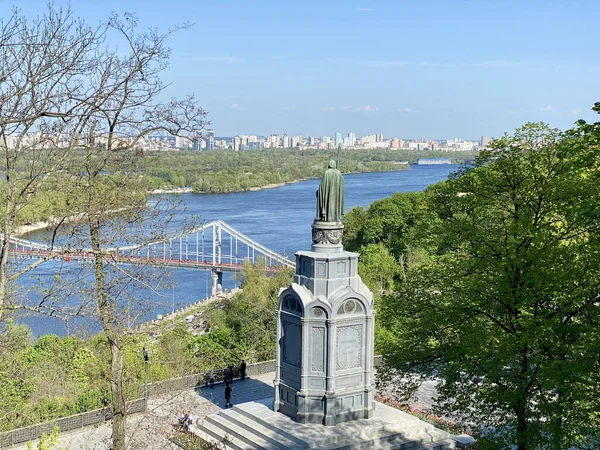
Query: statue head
column 331, row 164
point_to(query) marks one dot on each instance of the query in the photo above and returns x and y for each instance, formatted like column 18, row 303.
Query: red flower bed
column 439, row 422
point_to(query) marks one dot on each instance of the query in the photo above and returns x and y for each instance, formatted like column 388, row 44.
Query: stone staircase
column 254, row 426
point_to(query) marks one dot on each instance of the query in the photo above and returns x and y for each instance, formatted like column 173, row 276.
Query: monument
column 325, row 325
column 323, row 387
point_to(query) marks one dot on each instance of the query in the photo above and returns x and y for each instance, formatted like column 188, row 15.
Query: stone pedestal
column 325, row 334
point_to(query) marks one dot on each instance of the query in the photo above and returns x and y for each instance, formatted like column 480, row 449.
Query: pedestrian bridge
column 215, row 245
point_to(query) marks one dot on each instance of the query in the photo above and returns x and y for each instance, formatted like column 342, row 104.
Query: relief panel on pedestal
column 318, row 349
column 349, row 347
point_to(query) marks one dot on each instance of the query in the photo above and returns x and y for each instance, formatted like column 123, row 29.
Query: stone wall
column 201, row 379
column 33, row 432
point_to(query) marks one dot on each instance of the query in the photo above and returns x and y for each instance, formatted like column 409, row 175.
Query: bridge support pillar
column 217, row 281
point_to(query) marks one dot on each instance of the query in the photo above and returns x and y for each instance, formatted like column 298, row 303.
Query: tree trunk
column 557, row 423
column 107, row 310
column 6, row 233
column 521, row 403
column 118, row 398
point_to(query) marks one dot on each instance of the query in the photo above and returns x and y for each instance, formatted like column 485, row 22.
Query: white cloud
column 235, row 107
column 576, row 111
column 389, row 63
column 505, row 64
column 547, row 108
column 347, row 108
column 404, row 110
column 217, row 59
column 385, row 63
column 367, row 108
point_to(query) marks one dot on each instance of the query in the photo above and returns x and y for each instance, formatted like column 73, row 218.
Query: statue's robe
column 330, row 196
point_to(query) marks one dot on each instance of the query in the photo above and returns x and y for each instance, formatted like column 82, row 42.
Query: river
column 278, row 218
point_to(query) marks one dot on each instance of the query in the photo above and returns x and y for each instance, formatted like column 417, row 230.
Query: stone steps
column 252, row 439
column 210, row 434
column 300, row 434
column 277, row 438
column 254, row 426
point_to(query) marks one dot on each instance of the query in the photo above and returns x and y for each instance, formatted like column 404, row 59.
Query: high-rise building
column 484, row 141
column 273, row 140
column 237, row 142
column 352, row 139
column 209, row 140
column 196, row 146
column 285, row 141
column 338, row 138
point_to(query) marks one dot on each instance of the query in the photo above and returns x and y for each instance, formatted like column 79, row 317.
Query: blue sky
column 412, row 69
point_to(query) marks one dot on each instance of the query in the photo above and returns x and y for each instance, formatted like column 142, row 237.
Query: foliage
column 377, row 267
column 245, row 326
column 54, row 376
column 226, row 171
column 503, row 311
column 47, row 441
column 399, row 222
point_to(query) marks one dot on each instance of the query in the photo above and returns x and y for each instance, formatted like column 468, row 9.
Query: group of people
column 228, row 375
column 187, row 419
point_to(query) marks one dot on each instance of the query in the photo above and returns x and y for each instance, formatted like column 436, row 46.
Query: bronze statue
column 330, row 196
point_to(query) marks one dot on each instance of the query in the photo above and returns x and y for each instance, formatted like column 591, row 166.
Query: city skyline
column 208, row 142
column 433, row 68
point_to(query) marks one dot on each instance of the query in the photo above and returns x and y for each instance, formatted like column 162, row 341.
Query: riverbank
column 400, row 165
column 45, row 224
column 183, row 190
column 24, row 229
column 42, row 225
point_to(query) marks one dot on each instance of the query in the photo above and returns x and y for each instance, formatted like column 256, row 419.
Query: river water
column 279, row 218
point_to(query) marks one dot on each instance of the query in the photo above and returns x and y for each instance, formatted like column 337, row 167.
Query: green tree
column 377, row 267
column 505, row 311
column 251, row 314
column 387, row 221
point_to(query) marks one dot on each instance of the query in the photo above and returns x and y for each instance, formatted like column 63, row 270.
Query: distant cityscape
column 209, row 142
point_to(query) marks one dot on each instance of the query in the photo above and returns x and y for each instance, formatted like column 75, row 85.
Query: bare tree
column 126, row 114
column 46, row 103
column 89, row 109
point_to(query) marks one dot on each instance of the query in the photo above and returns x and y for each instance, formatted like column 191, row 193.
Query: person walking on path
column 243, row 370
column 230, row 374
column 227, row 395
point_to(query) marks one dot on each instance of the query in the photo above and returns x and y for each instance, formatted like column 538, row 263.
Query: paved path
column 149, row 431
